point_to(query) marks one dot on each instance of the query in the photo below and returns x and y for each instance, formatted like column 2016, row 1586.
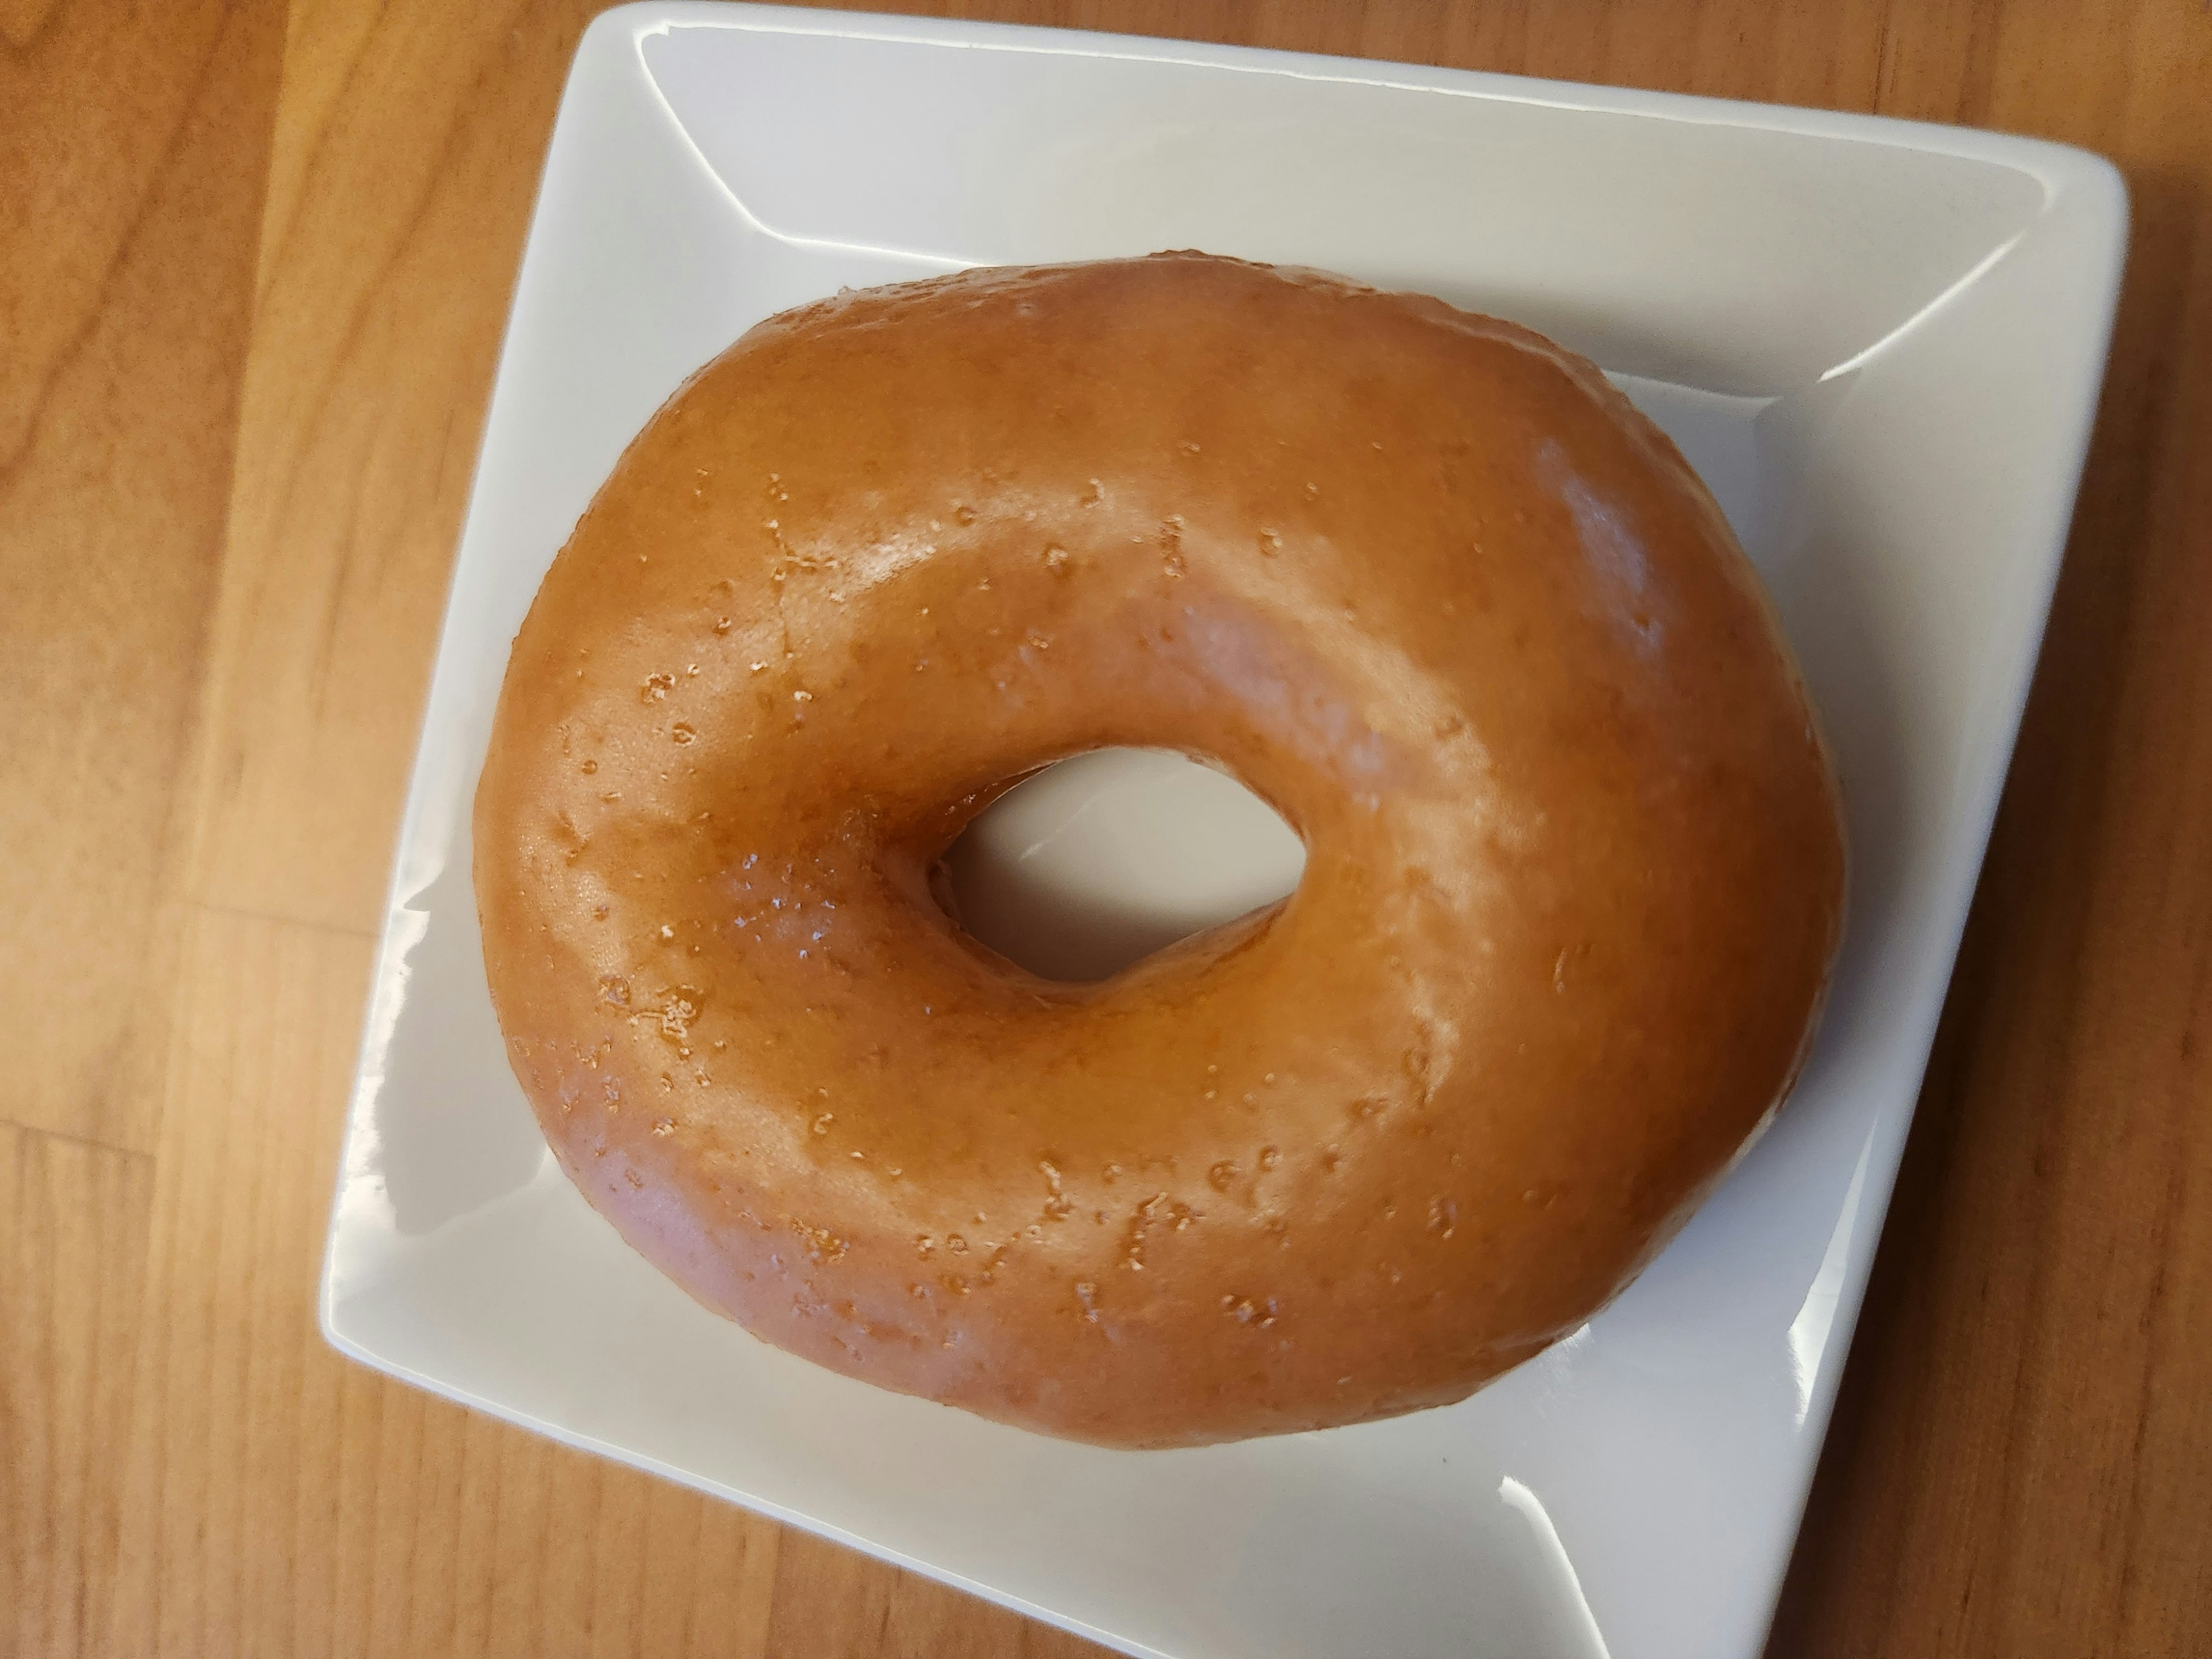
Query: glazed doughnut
column 1421, row 580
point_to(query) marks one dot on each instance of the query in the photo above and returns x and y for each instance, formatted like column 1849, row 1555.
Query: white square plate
column 1881, row 343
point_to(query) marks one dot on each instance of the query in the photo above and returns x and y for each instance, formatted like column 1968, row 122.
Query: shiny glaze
column 1421, row 580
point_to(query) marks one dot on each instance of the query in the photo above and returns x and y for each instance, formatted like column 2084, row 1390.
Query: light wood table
column 254, row 264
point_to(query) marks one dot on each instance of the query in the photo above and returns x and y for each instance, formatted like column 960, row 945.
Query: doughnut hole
column 1097, row 862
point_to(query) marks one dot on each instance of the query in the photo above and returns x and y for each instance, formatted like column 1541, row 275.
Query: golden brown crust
column 1421, row 579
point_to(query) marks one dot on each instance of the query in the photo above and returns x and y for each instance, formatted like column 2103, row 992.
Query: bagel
column 1421, row 580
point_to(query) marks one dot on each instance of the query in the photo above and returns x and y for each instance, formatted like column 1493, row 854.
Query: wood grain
column 72, row 1245
column 254, row 266
column 133, row 144
column 407, row 147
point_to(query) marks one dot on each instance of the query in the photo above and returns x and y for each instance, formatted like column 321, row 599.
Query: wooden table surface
column 254, row 262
